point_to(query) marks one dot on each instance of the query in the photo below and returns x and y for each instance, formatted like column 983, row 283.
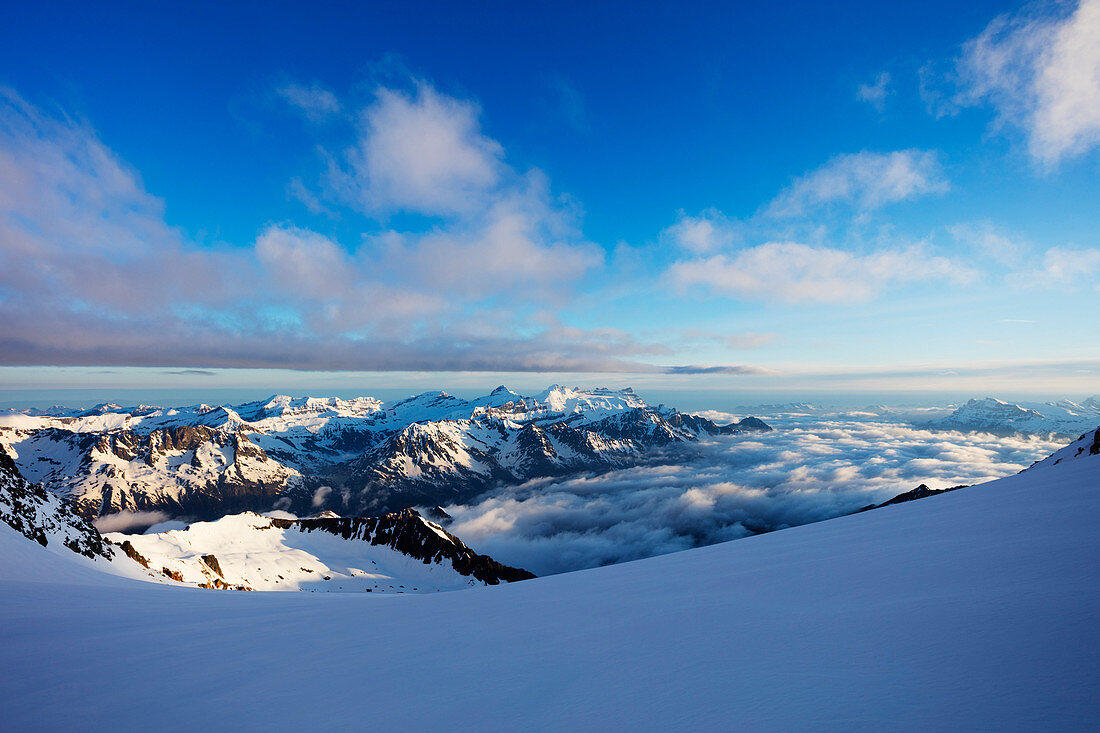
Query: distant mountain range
column 353, row 457
column 1063, row 419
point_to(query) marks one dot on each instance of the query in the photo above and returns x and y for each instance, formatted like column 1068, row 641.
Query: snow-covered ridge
column 355, row 457
column 43, row 518
column 395, row 553
column 1087, row 447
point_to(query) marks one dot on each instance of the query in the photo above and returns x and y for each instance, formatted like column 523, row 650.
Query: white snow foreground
column 970, row 610
column 253, row 552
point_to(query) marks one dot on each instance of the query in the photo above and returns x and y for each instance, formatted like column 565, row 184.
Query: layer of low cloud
column 129, row 521
column 726, row 489
column 1039, row 69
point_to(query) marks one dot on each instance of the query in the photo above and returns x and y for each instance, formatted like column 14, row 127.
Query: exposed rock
column 133, row 554
column 920, row 492
column 212, row 563
column 409, row 533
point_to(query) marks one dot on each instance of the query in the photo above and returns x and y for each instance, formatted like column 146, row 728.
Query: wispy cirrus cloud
column 1039, row 69
column 791, row 272
column 865, row 181
column 876, row 92
column 314, row 101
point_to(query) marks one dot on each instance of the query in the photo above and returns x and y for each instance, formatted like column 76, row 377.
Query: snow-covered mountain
column 400, row 552
column 44, row 518
column 354, row 457
column 1063, row 418
column 970, row 610
column 395, row 553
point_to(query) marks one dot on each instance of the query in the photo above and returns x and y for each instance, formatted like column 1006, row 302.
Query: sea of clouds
column 811, row 468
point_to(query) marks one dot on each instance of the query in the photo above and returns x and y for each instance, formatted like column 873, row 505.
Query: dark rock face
column 132, row 553
column 38, row 515
column 212, row 563
column 920, row 492
column 408, row 533
column 746, row 425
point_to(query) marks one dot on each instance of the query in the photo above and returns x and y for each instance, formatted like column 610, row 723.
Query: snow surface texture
column 357, row 457
column 970, row 610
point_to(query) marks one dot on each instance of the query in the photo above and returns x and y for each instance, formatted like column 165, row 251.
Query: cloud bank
column 726, row 489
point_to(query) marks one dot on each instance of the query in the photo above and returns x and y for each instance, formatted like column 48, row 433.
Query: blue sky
column 863, row 197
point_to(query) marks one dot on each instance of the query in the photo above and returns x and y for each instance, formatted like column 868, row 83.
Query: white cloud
column 422, row 152
column 305, row 261
column 1061, row 267
column 990, row 241
column 865, row 180
column 725, row 489
column 129, row 521
column 1040, row 70
column 314, row 101
column 1030, row 266
column 736, row 340
column 791, row 272
column 708, row 232
column 875, row 94
column 90, row 274
column 320, row 495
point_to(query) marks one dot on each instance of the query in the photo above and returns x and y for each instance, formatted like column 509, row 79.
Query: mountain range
column 353, row 457
column 1061, row 419
column 397, row 553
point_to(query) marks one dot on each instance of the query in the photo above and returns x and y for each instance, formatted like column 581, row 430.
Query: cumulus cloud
column 422, row 152
column 129, row 521
column 90, row 273
column 875, row 94
column 1039, row 69
column 792, row 272
column 866, row 180
column 726, row 489
column 703, row 234
column 314, row 101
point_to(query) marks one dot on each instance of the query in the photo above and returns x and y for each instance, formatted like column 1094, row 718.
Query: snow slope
column 969, row 610
column 398, row 553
